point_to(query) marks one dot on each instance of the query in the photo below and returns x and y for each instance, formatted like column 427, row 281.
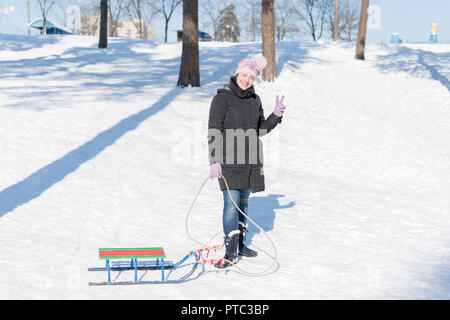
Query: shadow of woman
column 262, row 211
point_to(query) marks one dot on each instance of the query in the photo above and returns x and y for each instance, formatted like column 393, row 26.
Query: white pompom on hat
column 252, row 66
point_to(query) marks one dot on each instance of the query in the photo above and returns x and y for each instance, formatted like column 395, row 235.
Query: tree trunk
column 168, row 15
column 28, row 16
column 336, row 21
column 166, row 29
column 362, row 30
column 103, row 40
column 189, row 67
column 44, row 10
column 268, row 39
column 44, row 28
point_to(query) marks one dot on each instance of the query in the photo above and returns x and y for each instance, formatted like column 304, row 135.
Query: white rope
column 220, row 246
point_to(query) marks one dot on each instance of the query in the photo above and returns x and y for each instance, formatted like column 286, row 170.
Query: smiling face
column 244, row 80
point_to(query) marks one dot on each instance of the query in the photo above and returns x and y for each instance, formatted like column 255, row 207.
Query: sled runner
column 128, row 260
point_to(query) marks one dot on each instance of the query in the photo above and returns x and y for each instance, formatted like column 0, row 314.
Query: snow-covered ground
column 99, row 148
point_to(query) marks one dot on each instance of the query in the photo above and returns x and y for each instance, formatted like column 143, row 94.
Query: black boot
column 244, row 250
column 231, row 248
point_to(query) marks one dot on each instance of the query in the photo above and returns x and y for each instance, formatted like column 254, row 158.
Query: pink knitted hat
column 252, row 66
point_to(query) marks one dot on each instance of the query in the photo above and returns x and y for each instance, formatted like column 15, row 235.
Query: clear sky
column 412, row 19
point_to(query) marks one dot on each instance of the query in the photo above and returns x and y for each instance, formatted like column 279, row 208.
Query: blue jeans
column 231, row 215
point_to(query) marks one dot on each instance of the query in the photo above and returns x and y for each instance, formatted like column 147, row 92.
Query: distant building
column 395, row 38
column 50, row 26
column 127, row 29
column 90, row 26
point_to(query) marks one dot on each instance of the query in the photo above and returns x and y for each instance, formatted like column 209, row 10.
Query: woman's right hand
column 215, row 171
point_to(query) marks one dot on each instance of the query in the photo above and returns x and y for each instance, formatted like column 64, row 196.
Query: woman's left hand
column 279, row 107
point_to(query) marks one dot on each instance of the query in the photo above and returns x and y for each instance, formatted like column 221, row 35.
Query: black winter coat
column 236, row 116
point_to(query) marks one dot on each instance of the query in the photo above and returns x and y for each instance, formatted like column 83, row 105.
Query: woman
column 236, row 121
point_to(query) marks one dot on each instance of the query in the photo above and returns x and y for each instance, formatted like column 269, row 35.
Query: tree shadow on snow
column 438, row 283
column 41, row 180
column 418, row 63
column 84, row 66
column 292, row 56
column 19, row 42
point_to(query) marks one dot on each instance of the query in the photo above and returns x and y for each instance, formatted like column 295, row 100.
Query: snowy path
column 101, row 150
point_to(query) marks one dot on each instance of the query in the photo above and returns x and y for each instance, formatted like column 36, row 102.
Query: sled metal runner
column 129, row 261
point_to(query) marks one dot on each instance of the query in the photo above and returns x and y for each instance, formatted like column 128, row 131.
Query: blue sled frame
column 136, row 265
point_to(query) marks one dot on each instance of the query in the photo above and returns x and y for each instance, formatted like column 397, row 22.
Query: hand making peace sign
column 279, row 106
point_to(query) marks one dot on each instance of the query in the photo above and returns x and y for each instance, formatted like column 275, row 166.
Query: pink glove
column 215, row 171
column 279, row 107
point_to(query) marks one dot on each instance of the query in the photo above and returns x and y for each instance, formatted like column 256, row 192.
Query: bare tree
column 45, row 8
column 28, row 16
column 336, row 21
column 350, row 19
column 325, row 7
column 283, row 19
column 314, row 14
column 141, row 12
column 189, row 67
column 62, row 5
column 349, row 14
column 103, row 37
column 253, row 16
column 116, row 9
column 305, row 10
column 211, row 10
column 90, row 17
column 362, row 30
column 268, row 39
column 167, row 8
